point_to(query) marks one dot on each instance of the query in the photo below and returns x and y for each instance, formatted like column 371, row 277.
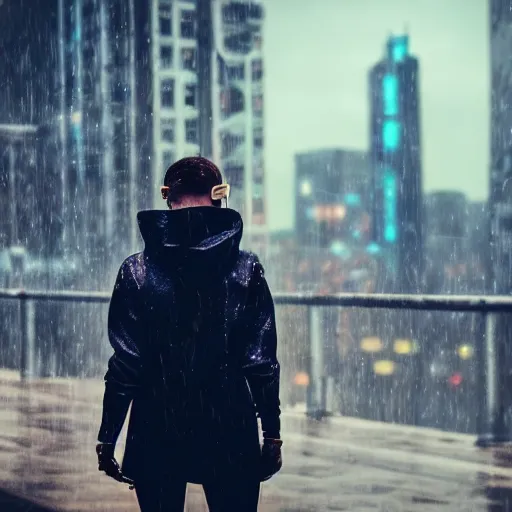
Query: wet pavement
column 48, row 432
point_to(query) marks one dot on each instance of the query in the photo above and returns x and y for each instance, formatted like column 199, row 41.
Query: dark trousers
column 168, row 495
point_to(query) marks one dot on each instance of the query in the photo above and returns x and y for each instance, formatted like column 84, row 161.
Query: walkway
column 47, row 439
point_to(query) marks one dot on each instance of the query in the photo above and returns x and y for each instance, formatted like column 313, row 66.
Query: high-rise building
column 125, row 82
column 446, row 242
column 208, row 95
column 396, row 158
column 500, row 197
column 238, row 109
column 107, row 81
column 500, row 186
column 175, row 86
column 83, row 69
column 332, row 202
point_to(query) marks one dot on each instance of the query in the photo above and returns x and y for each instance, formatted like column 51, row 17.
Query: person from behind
column 192, row 324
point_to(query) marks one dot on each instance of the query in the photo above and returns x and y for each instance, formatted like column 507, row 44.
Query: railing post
column 316, row 365
column 27, row 320
column 493, row 429
column 326, row 396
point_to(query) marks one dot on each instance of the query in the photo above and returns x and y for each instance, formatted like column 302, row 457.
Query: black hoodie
column 192, row 324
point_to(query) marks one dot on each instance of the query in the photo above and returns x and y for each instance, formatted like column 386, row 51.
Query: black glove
column 108, row 463
column 271, row 458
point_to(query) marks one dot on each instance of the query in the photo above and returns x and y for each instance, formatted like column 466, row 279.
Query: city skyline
column 329, row 82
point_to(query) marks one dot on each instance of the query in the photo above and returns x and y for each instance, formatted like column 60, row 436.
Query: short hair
column 192, row 176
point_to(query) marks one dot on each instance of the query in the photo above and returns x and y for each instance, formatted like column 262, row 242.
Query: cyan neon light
column 353, row 199
column 390, row 94
column 389, row 188
column 373, row 248
column 391, row 135
column 399, row 49
column 337, row 248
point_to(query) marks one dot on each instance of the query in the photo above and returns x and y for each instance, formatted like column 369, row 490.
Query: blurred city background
column 368, row 145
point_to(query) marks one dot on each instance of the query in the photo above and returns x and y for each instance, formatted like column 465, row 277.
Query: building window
column 258, row 138
column 257, row 206
column 240, row 43
column 188, row 59
column 231, row 101
column 257, row 70
column 188, row 22
column 165, row 19
column 167, row 93
column 166, row 56
column 255, row 11
column 191, row 95
column 257, row 105
column 235, row 13
column 168, row 130
column 236, row 72
column 391, row 131
column 191, row 134
column 390, row 94
column 234, row 173
column 167, row 158
column 257, row 171
column 119, row 93
column 229, row 143
column 257, row 41
column 389, row 186
column 257, row 190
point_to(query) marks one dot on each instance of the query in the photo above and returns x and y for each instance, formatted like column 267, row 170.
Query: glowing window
column 391, row 135
column 390, row 94
column 390, row 197
column 305, row 188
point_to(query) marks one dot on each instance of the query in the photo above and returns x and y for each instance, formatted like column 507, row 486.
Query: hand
column 271, row 458
column 108, row 463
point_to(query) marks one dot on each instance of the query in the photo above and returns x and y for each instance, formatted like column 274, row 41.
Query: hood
column 197, row 241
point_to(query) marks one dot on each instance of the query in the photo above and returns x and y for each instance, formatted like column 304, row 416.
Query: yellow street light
column 402, row 346
column 465, row 351
column 371, row 344
column 384, row 367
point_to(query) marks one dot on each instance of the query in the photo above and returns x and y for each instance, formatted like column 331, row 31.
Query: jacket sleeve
column 261, row 366
column 124, row 367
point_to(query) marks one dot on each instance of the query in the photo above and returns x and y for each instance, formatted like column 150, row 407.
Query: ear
column 165, row 192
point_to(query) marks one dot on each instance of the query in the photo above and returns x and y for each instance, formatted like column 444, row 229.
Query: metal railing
column 491, row 404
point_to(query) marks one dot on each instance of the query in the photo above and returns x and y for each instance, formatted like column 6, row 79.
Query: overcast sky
column 317, row 56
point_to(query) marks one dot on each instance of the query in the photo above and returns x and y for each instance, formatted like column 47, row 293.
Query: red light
column 456, row 379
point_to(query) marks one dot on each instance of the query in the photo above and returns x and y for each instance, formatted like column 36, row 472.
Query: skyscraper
column 83, row 70
column 208, row 95
column 500, row 189
column 132, row 86
column 500, row 197
column 107, row 81
column 396, row 157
